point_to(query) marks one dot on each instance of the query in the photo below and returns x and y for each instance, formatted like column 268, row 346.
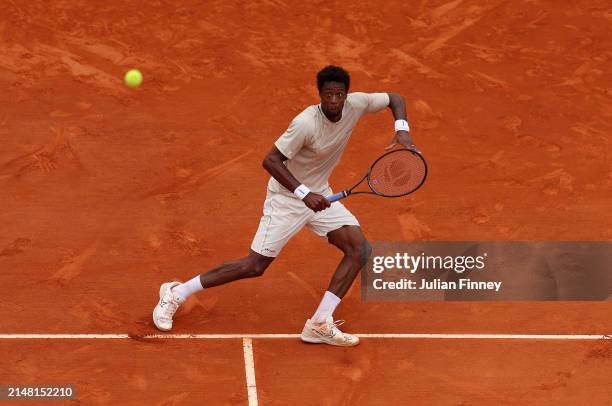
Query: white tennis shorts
column 283, row 216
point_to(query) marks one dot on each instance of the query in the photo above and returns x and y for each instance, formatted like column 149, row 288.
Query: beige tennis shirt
column 314, row 145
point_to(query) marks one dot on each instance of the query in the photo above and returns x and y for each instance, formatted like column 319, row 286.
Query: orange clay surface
column 106, row 191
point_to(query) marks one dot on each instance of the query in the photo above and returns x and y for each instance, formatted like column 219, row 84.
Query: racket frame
column 348, row 192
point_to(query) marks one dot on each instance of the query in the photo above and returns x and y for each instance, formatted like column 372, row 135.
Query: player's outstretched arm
column 402, row 133
column 273, row 163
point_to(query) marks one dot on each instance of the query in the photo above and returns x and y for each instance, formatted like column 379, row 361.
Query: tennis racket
column 396, row 173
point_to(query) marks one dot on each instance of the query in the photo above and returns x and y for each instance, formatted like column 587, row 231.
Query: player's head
column 333, row 83
column 332, row 73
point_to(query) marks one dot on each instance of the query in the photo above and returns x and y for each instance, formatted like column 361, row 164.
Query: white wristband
column 301, row 191
column 401, row 125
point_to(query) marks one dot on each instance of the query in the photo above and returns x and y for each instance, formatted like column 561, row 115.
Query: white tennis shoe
column 328, row 333
column 169, row 303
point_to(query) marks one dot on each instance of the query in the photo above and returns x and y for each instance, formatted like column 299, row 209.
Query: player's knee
column 360, row 253
column 255, row 268
column 259, row 270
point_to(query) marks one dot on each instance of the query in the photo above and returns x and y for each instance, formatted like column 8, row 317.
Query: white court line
column 295, row 336
column 249, row 368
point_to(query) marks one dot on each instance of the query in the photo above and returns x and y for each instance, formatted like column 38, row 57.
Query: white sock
column 188, row 288
column 326, row 308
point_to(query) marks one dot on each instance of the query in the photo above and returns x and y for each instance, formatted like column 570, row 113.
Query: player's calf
column 364, row 253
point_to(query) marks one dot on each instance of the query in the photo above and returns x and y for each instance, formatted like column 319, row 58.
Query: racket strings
column 397, row 174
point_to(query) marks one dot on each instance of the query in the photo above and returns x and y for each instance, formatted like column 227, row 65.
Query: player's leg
column 351, row 241
column 173, row 294
column 283, row 217
column 342, row 230
column 250, row 266
column 356, row 249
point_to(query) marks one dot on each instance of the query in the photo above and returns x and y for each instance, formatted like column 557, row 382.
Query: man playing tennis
column 300, row 163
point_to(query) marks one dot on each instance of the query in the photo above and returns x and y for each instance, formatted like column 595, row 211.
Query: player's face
column 333, row 96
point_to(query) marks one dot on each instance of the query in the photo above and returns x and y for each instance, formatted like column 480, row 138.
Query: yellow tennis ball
column 133, row 78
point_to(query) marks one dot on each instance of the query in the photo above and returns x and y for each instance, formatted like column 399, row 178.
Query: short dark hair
column 332, row 73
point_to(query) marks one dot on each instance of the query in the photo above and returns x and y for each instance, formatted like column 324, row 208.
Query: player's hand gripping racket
column 396, row 173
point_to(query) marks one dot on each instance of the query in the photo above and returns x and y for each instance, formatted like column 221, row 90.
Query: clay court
column 107, row 191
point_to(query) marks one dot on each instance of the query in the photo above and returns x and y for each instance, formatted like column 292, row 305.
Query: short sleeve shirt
column 314, row 145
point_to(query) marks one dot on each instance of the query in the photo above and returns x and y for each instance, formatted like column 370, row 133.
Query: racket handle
column 337, row 196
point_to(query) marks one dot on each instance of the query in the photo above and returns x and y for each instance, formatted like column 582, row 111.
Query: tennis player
column 300, row 162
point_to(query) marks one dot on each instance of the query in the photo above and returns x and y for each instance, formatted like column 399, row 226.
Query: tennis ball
column 133, row 78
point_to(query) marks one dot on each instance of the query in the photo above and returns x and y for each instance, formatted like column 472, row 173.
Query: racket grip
column 337, row 196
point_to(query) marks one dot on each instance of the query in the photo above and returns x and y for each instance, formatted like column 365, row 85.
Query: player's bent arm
column 273, row 163
column 397, row 105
